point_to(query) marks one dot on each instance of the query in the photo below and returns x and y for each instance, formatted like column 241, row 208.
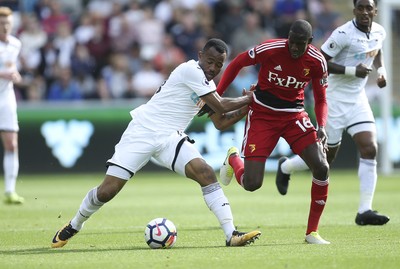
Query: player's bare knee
column 321, row 172
column 10, row 146
column 369, row 151
column 252, row 184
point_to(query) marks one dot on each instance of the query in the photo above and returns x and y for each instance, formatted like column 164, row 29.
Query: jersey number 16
column 306, row 123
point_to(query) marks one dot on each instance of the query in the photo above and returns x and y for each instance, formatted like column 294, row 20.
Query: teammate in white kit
column 157, row 131
column 10, row 47
column 351, row 50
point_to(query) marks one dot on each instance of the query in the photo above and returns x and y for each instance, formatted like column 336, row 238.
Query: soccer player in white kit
column 351, row 50
column 157, row 131
column 10, row 47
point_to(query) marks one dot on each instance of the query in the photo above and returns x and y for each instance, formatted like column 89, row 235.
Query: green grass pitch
column 114, row 236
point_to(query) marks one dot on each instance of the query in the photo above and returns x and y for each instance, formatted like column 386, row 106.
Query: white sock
column 293, row 164
column 90, row 204
column 368, row 177
column 11, row 167
column 219, row 205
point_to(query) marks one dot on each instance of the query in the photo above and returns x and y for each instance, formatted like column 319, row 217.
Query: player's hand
column 362, row 71
column 248, row 94
column 14, row 76
column 381, row 81
column 323, row 138
column 253, row 87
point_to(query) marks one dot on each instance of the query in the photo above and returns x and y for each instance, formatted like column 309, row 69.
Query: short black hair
column 301, row 27
column 355, row 3
column 216, row 43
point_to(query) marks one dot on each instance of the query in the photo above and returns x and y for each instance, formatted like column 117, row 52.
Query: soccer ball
column 160, row 233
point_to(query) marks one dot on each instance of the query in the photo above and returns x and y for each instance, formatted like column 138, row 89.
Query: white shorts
column 350, row 117
column 8, row 112
column 138, row 145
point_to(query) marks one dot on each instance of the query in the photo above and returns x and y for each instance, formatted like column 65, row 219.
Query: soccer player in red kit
column 286, row 68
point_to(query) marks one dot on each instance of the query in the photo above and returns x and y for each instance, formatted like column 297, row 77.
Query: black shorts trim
column 334, row 145
column 178, row 148
column 358, row 123
column 113, row 164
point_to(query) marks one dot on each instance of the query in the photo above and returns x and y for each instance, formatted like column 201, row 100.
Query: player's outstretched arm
column 360, row 70
column 224, row 112
column 226, row 104
column 226, row 120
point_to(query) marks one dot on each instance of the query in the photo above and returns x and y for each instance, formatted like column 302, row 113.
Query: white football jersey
column 177, row 101
column 8, row 105
column 348, row 46
column 8, row 60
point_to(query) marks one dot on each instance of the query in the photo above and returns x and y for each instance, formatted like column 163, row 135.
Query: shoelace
column 67, row 233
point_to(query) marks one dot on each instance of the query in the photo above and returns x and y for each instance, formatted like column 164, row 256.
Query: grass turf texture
column 113, row 237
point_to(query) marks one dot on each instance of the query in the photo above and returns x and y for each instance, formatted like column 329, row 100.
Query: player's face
column 211, row 61
column 5, row 26
column 364, row 13
column 297, row 44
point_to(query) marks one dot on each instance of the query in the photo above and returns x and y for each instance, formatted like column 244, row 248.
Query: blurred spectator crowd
column 116, row 49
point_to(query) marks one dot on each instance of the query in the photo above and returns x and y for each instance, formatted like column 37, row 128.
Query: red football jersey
column 281, row 78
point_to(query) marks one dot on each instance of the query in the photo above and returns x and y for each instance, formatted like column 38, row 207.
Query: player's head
column 300, row 35
column 5, row 22
column 364, row 12
column 212, row 57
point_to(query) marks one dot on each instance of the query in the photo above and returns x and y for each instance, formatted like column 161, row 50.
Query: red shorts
column 264, row 127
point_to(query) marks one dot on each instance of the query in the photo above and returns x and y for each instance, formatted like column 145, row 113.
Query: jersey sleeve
column 320, row 107
column 230, row 73
column 383, row 34
column 335, row 43
column 381, row 30
column 196, row 80
column 319, row 84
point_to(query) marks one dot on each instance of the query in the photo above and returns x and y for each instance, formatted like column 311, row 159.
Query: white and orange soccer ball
column 160, row 233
